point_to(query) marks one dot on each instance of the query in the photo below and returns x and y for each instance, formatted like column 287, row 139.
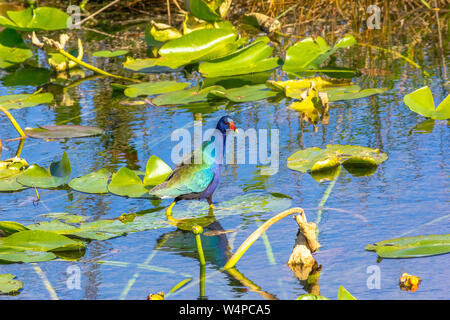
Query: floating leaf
column 41, row 18
column 18, row 101
column 8, row 284
column 152, row 88
column 311, row 53
column 343, row 294
column 9, row 227
column 156, row 171
column 62, row 132
column 109, row 54
column 38, row 240
column 126, row 182
column 200, row 45
column 421, row 101
column 316, row 159
column 245, row 93
column 351, row 93
column 412, row 247
column 95, row 182
column 12, row 48
column 191, row 95
column 27, row 77
column 57, row 174
column 250, row 59
column 294, row 88
column 9, row 171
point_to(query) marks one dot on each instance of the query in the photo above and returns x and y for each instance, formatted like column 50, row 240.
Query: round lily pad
column 62, row 131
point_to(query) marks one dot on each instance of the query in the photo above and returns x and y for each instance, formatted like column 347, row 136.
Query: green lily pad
column 41, row 18
column 421, row 101
column 351, row 93
column 8, row 284
column 156, row 171
column 18, row 101
column 316, row 159
column 109, row 54
column 28, row 76
column 38, row 240
column 12, row 48
column 62, row 132
column 57, row 174
column 191, row 95
column 412, row 247
column 12, row 255
column 126, row 182
column 245, row 93
column 9, row 227
column 311, row 53
column 95, row 182
column 152, row 88
column 250, row 59
column 200, row 45
column 9, row 171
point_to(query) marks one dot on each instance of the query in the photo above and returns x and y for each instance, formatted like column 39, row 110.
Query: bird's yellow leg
column 169, row 212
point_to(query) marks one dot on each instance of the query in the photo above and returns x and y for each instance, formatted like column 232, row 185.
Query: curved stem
column 13, row 122
column 92, row 68
column 255, row 235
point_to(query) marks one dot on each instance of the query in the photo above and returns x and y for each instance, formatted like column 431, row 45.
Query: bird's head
column 226, row 123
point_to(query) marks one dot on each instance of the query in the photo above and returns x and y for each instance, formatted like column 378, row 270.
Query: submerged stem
column 325, row 198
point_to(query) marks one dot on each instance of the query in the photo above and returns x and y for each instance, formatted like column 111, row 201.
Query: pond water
column 407, row 195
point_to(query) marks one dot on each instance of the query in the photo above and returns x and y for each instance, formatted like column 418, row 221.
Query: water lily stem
column 256, row 234
column 325, row 198
column 13, row 122
column 201, row 255
column 92, row 68
column 395, row 53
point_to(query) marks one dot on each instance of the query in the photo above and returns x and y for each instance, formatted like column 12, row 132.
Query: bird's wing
column 184, row 180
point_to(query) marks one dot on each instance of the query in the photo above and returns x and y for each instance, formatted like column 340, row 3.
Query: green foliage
column 42, row 18
column 152, row 88
column 209, row 10
column 57, row 174
column 412, row 247
column 250, row 59
column 62, row 131
column 18, row 101
column 316, row 159
column 156, row 171
column 421, row 102
column 126, row 182
column 8, row 284
column 12, row 48
column 95, row 182
column 311, row 53
column 245, row 93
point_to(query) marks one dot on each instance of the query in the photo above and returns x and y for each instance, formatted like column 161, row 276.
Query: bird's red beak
column 233, row 127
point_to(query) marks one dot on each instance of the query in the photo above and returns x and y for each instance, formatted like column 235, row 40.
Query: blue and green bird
column 192, row 180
